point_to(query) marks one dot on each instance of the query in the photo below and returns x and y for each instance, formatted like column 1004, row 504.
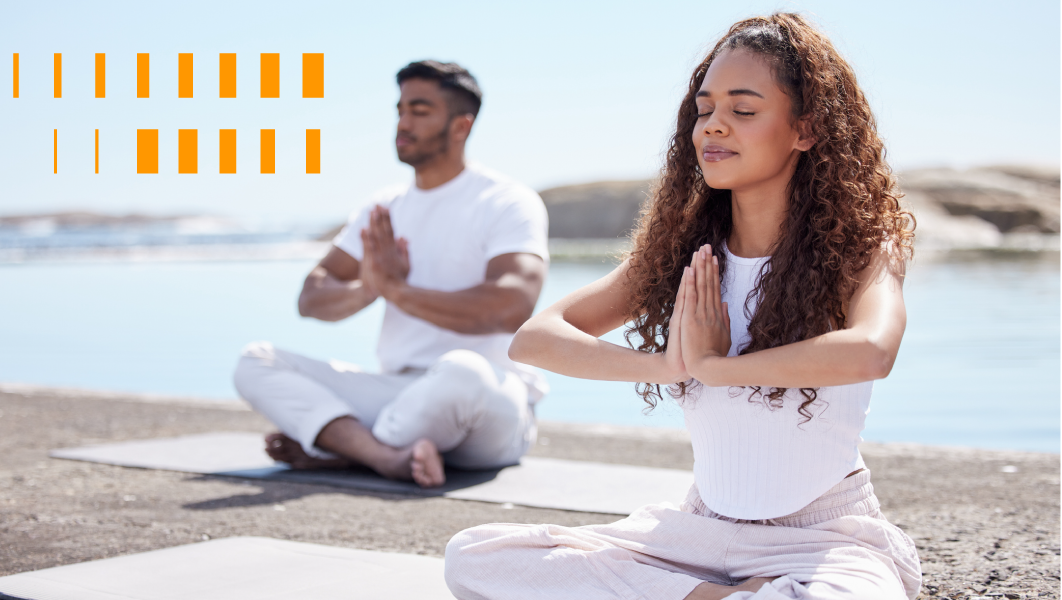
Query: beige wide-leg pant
column 838, row 547
column 475, row 412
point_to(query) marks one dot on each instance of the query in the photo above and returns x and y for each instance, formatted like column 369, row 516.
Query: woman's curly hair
column 843, row 205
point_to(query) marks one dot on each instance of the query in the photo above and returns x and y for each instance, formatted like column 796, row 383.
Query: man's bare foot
column 283, row 449
column 426, row 464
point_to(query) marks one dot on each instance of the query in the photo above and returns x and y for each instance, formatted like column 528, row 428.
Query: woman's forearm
column 836, row 358
column 552, row 344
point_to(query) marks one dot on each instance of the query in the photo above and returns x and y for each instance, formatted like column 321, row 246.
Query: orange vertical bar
column 14, row 75
column 226, row 151
column 147, row 151
column 55, row 151
column 269, row 151
column 97, row 151
column 227, row 75
column 101, row 75
column 313, row 151
column 184, row 75
column 57, row 75
column 188, row 151
column 143, row 74
column 313, row 75
column 270, row 77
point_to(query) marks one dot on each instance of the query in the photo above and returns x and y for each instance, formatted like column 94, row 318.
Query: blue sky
column 574, row 91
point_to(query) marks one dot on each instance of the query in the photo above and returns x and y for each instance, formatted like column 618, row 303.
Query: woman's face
column 745, row 135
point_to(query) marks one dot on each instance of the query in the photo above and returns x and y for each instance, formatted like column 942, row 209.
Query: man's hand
column 385, row 261
column 705, row 320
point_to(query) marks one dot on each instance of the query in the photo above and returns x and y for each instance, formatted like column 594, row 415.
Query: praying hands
column 385, row 261
column 700, row 323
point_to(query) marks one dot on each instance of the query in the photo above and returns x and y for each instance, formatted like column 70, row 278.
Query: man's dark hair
column 464, row 94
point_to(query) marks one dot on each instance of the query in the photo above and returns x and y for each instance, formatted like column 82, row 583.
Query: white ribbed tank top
column 752, row 462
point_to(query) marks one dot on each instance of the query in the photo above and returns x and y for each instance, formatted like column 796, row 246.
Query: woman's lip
column 716, row 155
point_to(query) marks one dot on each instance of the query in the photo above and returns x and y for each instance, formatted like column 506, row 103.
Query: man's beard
column 436, row 145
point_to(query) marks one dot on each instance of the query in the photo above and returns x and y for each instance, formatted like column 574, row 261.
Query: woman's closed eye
column 708, row 113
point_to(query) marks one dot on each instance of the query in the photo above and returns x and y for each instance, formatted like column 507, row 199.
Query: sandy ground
column 986, row 522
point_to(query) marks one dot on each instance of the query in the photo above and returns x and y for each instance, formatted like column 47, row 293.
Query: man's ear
column 461, row 126
column 807, row 139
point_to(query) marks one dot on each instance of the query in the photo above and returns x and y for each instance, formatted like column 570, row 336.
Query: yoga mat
column 536, row 482
column 236, row 568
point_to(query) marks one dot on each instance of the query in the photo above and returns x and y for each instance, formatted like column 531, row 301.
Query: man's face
column 423, row 122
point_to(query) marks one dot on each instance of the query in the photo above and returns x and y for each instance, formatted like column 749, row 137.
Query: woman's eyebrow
column 737, row 92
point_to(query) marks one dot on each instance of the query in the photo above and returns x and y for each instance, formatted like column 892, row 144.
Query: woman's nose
column 714, row 125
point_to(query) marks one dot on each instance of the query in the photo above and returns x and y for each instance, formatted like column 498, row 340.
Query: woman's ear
column 807, row 139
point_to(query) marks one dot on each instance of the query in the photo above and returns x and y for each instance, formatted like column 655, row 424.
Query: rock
column 606, row 209
column 1014, row 199
column 1004, row 206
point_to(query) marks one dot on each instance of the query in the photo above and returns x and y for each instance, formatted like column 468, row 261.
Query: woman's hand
column 705, row 320
column 676, row 367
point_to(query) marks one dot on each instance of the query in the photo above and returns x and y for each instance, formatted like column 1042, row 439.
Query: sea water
column 979, row 364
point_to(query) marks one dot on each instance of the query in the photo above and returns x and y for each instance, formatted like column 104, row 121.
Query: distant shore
column 1001, row 208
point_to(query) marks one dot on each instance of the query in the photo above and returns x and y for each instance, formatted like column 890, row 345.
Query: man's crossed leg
column 463, row 411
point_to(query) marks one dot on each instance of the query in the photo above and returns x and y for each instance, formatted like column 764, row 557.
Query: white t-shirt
column 453, row 231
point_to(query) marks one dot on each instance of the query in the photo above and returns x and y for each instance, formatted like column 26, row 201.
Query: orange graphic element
column 143, row 74
column 270, row 78
column 184, row 75
column 227, row 151
column 14, row 75
column 101, row 75
column 188, row 151
column 97, row 150
column 313, row 151
column 227, row 76
column 269, row 151
column 313, row 75
column 55, row 151
column 57, row 75
column 147, row 151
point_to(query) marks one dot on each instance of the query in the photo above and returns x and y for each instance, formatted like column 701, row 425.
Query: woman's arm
column 864, row 351
column 563, row 338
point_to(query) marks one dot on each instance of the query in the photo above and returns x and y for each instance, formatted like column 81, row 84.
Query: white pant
column 839, row 547
column 475, row 412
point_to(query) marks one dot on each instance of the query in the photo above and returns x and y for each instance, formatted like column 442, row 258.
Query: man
column 459, row 257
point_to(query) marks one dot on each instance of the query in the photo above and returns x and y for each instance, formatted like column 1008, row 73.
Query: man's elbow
column 305, row 309
column 308, row 310
column 515, row 317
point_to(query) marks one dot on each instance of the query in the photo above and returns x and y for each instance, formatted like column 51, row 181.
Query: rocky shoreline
column 995, row 207
column 986, row 522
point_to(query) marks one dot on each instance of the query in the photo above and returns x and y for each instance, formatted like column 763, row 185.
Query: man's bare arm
column 334, row 289
column 501, row 304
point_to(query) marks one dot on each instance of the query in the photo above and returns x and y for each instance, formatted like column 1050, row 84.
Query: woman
column 765, row 287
